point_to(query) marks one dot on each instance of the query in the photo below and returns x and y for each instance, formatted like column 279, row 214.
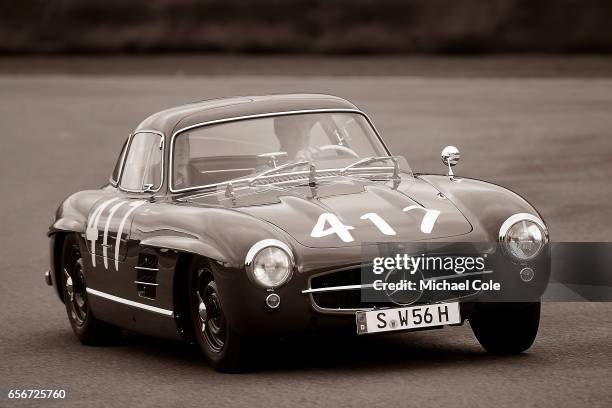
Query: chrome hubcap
column 69, row 287
column 211, row 318
column 202, row 311
column 76, row 290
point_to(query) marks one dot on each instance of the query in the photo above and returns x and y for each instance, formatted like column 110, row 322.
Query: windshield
column 215, row 154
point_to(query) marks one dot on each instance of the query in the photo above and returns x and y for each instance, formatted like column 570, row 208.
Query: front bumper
column 245, row 307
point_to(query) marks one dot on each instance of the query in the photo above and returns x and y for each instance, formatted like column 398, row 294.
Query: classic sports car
column 231, row 219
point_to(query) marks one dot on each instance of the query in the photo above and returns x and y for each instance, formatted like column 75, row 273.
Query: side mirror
column 450, row 157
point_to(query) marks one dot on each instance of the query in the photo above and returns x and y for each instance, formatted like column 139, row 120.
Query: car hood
column 296, row 209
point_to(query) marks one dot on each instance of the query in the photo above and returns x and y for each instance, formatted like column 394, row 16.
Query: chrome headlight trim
column 516, row 218
column 258, row 247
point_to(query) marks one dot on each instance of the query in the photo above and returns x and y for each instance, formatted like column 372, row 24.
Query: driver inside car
column 294, row 132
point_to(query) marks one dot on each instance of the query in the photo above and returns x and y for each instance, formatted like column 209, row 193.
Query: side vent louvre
column 147, row 261
column 146, row 276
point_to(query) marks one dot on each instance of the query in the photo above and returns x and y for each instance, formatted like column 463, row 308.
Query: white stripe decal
column 93, row 227
column 114, row 298
column 106, row 226
column 379, row 222
column 429, row 219
column 134, row 206
column 92, row 217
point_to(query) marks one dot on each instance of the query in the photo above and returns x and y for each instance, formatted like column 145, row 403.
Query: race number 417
column 329, row 224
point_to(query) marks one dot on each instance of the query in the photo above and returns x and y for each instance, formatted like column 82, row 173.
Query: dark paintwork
column 211, row 225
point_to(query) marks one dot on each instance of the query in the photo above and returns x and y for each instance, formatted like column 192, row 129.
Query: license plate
column 406, row 318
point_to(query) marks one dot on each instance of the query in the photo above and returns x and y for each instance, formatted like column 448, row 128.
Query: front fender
column 71, row 215
column 184, row 244
column 484, row 204
column 487, row 206
column 219, row 234
column 66, row 225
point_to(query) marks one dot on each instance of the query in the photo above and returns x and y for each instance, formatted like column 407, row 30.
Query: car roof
column 171, row 120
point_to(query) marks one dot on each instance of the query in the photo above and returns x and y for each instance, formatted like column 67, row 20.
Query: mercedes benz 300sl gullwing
column 228, row 220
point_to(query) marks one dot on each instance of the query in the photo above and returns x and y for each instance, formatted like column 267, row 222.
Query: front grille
column 344, row 299
column 341, row 299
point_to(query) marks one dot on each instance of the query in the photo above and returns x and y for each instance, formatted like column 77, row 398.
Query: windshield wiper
column 275, row 170
column 373, row 159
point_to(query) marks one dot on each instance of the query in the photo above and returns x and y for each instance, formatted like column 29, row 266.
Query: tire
column 506, row 328
column 221, row 345
column 86, row 327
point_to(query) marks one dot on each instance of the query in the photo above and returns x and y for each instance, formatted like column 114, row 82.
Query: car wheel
column 86, row 327
column 221, row 346
column 506, row 328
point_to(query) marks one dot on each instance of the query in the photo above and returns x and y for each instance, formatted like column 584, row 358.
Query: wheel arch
column 188, row 249
column 181, row 302
column 184, row 263
column 70, row 218
column 58, row 238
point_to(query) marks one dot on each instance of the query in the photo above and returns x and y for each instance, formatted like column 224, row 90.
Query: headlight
column 269, row 263
column 523, row 236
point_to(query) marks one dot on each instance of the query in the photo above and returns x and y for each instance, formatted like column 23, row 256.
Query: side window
column 143, row 164
column 117, row 170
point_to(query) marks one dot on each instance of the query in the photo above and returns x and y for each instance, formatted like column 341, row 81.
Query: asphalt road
column 549, row 139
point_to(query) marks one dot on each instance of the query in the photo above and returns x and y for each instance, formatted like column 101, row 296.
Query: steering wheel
column 338, row 148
